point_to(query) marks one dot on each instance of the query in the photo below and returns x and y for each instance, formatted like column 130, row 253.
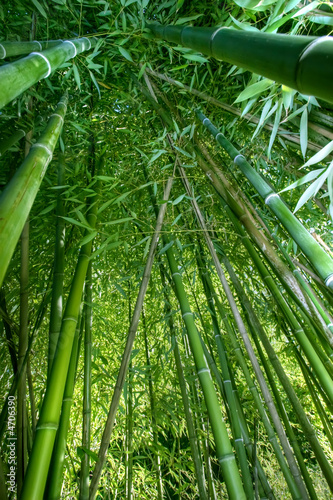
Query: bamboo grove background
column 148, row 291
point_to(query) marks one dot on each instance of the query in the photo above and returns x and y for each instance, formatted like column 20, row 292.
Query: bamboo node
column 47, row 426
column 174, row 274
column 40, row 145
column 59, row 116
column 49, row 69
column 272, row 195
column 70, row 318
column 187, row 313
column 4, row 51
column 237, row 156
column 40, row 45
column 202, row 370
column 329, row 280
column 203, row 121
column 75, row 50
column 85, row 38
column 226, row 458
column 330, row 325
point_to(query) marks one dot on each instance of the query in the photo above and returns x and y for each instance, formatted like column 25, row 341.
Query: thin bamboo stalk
column 18, row 76
column 153, row 419
column 321, row 261
column 85, row 461
column 128, row 349
column 301, row 62
column 18, row 197
column 58, row 272
column 36, row 476
column 194, row 442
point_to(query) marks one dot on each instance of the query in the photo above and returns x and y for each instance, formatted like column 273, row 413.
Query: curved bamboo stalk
column 321, row 261
column 18, row 76
column 18, row 197
column 303, row 63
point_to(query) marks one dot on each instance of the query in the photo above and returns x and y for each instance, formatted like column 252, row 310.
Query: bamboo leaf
column 320, row 155
column 166, row 247
column 275, row 127
column 310, row 176
column 313, row 189
column 125, row 54
column 183, row 20
column 179, row 199
column 95, row 83
column 88, row 238
column 121, row 290
column 40, row 8
column 254, row 89
column 195, row 57
column 118, row 221
column 304, row 132
column 77, row 76
column 157, row 155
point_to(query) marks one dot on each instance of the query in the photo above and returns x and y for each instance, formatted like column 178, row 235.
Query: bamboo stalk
column 58, row 272
column 85, row 461
column 303, row 63
column 321, row 261
column 128, row 349
column 13, row 49
column 18, row 76
column 36, row 476
column 17, row 198
column 194, row 443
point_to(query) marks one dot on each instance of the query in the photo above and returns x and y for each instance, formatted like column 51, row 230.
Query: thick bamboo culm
column 304, row 63
column 19, row 195
column 13, row 49
column 18, row 76
column 321, row 261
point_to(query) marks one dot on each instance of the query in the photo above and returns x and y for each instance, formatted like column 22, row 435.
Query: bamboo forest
column 166, row 249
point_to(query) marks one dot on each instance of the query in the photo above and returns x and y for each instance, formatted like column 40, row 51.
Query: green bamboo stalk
column 17, row 198
column 257, row 329
column 129, row 437
column 229, row 395
column 242, row 420
column 18, row 76
column 35, row 480
column 55, row 479
column 304, row 422
column 223, row 447
column 303, row 63
column 85, row 461
column 7, row 143
column 58, row 270
column 314, row 252
column 322, row 311
column 128, row 349
column 13, row 49
column 194, row 443
column 22, row 421
column 152, row 409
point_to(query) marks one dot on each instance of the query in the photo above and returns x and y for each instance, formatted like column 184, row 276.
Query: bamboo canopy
column 165, row 320
column 303, row 63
